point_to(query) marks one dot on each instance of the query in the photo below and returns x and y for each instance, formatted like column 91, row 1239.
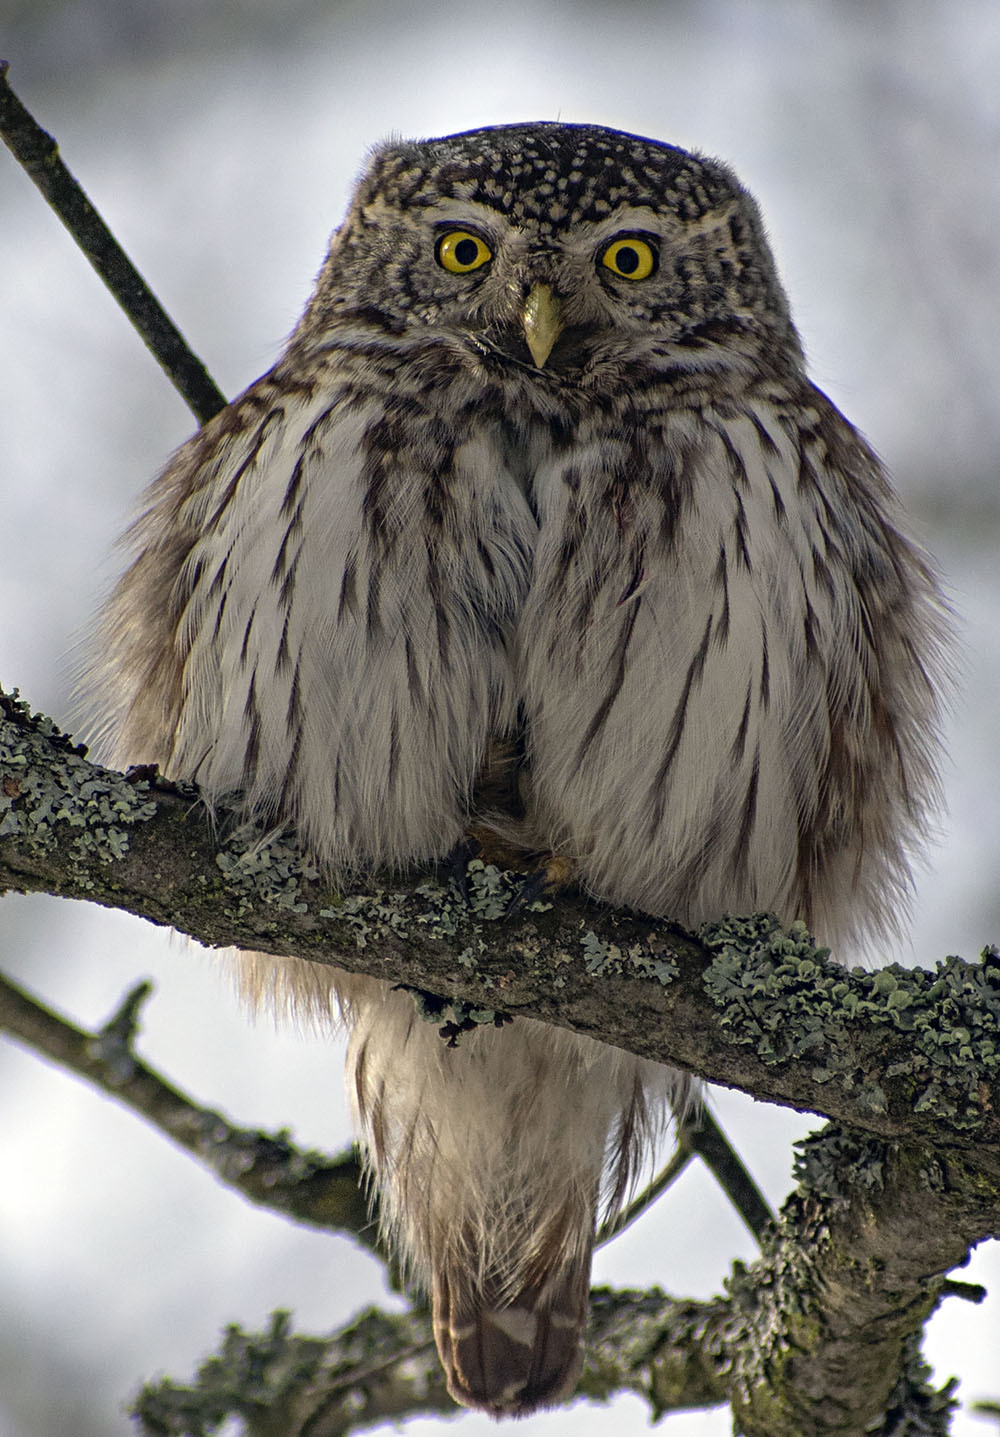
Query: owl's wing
column 725, row 707
column 317, row 612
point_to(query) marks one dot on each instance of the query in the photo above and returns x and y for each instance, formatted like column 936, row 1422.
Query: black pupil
column 627, row 259
column 466, row 251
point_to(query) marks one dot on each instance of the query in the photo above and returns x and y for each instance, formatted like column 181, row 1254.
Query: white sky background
column 870, row 134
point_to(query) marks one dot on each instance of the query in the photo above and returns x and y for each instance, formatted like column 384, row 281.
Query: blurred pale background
column 220, row 141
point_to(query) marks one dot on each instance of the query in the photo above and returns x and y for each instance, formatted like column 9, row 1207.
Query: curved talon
column 552, row 873
column 526, row 892
column 456, row 863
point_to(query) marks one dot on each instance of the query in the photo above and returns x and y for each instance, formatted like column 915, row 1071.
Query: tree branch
column 38, row 154
column 380, row 1367
column 896, row 1053
column 819, row 1336
column 266, row 1168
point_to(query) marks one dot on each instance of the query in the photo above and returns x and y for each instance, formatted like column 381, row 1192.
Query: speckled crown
column 549, row 172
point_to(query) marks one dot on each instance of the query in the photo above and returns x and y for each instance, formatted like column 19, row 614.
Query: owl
column 537, row 527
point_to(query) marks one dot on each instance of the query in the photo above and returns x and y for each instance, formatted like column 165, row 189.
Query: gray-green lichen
column 271, row 870
column 779, row 1314
column 603, row 957
column 838, row 1164
column 779, row 993
column 280, row 1382
column 773, row 1312
column 440, row 910
column 78, row 808
column 456, row 1016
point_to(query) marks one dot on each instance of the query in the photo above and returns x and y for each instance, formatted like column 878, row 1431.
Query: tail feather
column 512, row 1357
column 493, row 1161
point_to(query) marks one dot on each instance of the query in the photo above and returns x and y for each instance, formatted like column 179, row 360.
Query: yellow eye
column 460, row 252
column 630, row 258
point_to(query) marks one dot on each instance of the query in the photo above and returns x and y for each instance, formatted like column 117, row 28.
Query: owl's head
column 565, row 249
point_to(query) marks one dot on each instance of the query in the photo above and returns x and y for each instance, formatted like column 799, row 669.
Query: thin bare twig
column 264, row 1167
column 38, row 154
column 665, row 1178
column 698, row 1134
column 704, row 1137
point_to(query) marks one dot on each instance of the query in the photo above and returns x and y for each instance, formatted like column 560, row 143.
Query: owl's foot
column 456, row 864
column 552, row 872
column 489, row 847
column 544, row 872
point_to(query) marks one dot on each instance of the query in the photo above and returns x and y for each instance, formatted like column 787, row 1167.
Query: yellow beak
column 542, row 321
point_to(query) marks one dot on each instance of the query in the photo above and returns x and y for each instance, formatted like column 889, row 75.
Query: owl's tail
column 509, row 1354
column 491, row 1159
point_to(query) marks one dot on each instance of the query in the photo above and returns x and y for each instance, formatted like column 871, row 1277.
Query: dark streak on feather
column 676, row 730
column 293, row 527
column 257, row 443
column 780, row 512
column 739, row 744
column 740, row 528
column 721, row 633
column 219, row 579
column 734, row 459
column 413, row 681
column 220, row 614
column 288, row 582
column 252, row 716
column 306, row 444
column 767, row 442
column 605, row 706
column 373, row 617
column 392, row 764
column 348, row 598
column 283, row 657
column 246, row 635
column 748, row 817
column 765, row 671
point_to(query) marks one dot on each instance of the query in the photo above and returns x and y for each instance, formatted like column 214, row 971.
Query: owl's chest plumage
column 690, row 613
column 395, row 587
